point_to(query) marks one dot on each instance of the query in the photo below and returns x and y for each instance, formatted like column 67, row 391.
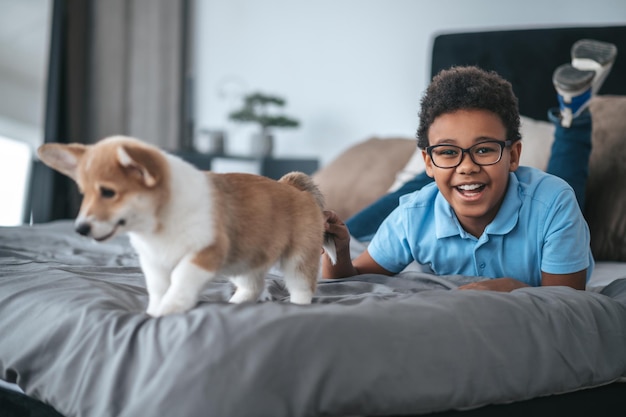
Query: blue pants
column 569, row 159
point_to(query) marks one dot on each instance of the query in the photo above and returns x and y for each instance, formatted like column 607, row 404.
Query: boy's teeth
column 469, row 187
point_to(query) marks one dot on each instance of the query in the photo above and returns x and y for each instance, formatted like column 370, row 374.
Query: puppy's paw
column 301, row 297
column 173, row 305
column 153, row 307
column 167, row 309
column 243, row 296
column 152, row 312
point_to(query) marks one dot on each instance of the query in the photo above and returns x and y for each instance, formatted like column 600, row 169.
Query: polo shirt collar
column 447, row 224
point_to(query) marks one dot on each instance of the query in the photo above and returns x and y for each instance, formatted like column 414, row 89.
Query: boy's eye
column 107, row 192
column 484, row 150
column 443, row 151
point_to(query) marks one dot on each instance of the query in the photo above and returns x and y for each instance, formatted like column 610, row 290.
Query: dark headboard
column 527, row 58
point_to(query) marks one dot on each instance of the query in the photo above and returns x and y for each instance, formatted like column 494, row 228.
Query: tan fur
column 276, row 220
column 189, row 226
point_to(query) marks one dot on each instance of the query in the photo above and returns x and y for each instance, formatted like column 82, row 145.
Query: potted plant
column 256, row 109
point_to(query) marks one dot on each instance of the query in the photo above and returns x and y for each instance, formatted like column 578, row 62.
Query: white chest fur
column 184, row 223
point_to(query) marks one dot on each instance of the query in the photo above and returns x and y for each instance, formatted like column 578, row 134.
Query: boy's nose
column 467, row 164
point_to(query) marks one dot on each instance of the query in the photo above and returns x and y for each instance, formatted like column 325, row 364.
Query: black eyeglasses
column 484, row 153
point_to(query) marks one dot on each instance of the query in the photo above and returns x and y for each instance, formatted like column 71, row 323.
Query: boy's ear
column 428, row 163
column 62, row 157
column 516, row 152
column 141, row 160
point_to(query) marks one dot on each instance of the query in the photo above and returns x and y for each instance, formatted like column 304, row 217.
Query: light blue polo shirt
column 539, row 227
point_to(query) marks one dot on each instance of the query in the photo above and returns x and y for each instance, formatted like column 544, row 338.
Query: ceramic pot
column 262, row 144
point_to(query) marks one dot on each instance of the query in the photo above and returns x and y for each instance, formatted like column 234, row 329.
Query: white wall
column 24, row 39
column 349, row 69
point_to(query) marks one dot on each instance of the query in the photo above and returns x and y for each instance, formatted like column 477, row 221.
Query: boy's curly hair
column 468, row 88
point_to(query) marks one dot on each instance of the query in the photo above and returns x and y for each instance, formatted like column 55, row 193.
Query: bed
column 75, row 341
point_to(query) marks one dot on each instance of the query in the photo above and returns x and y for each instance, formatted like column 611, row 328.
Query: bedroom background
column 165, row 70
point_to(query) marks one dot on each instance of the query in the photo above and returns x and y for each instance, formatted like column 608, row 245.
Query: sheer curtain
column 116, row 67
column 137, row 56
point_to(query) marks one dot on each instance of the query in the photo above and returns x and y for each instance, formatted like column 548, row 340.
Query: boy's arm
column 576, row 280
column 344, row 267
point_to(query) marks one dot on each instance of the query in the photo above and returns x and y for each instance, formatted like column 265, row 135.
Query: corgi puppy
column 188, row 226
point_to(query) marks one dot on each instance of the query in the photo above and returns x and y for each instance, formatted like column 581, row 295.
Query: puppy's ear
column 62, row 157
column 146, row 162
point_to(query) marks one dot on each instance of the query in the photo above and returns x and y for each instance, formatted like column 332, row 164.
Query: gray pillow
column 363, row 173
column 605, row 202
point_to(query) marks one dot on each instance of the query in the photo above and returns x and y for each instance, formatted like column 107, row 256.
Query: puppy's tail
column 303, row 182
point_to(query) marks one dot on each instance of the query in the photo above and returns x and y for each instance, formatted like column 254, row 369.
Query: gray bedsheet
column 73, row 334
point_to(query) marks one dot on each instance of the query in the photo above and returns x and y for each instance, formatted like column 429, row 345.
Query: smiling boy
column 484, row 216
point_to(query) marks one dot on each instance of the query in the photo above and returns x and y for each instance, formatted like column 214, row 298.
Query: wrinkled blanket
column 73, row 334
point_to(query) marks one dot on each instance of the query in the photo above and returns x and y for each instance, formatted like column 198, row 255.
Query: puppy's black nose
column 83, row 228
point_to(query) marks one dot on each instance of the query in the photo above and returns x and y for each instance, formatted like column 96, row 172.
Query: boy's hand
column 497, row 284
column 344, row 267
column 335, row 227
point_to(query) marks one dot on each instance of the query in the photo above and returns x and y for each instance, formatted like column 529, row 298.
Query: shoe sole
column 571, row 79
column 601, row 52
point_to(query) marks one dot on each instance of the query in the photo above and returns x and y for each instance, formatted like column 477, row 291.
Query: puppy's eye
column 107, row 192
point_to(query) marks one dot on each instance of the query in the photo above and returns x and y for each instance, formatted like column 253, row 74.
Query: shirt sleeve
column 567, row 239
column 389, row 246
